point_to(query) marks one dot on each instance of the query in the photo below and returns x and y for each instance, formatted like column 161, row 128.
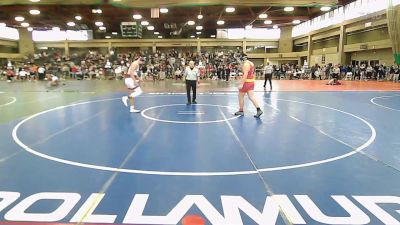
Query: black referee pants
column 268, row 77
column 191, row 85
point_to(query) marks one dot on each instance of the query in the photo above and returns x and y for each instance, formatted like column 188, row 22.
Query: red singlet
column 249, row 83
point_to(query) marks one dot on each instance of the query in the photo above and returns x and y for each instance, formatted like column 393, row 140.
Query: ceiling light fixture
column 288, row 9
column 25, row 24
column 34, row 0
column 263, row 16
column 325, row 8
column 163, row 10
column 191, row 23
column 156, row 32
column 34, row 12
column 296, row 21
column 212, row 36
column 268, row 22
column 137, row 16
column 220, row 22
column 99, row 24
column 230, row 9
column 248, row 27
column 30, row 29
column 192, row 36
column 71, row 24
column 78, row 17
column 102, row 28
column 200, row 17
column 114, row 33
column 144, row 23
column 150, row 28
column 160, row 36
column 198, row 32
column 97, row 11
column 108, row 37
column 275, row 27
column 19, row 18
column 199, row 28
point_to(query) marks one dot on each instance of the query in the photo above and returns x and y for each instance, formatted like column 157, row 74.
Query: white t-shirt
column 268, row 69
column 118, row 70
column 22, row 73
column 41, row 70
column 192, row 74
column 336, row 70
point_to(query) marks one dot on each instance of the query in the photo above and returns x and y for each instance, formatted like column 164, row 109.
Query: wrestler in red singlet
column 247, row 87
column 249, row 82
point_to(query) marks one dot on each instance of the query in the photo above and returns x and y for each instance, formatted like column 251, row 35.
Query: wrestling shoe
column 259, row 113
column 133, row 110
column 125, row 100
column 239, row 113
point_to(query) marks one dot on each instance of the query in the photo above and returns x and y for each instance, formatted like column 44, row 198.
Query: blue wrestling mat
column 312, row 158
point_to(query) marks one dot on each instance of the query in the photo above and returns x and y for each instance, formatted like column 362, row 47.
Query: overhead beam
column 240, row 18
column 251, row 11
column 157, row 3
column 52, row 2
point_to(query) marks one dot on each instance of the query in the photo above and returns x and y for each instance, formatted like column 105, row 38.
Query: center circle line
column 192, row 174
column 143, row 113
column 9, row 103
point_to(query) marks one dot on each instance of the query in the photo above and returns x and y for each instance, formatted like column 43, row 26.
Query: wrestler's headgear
column 243, row 57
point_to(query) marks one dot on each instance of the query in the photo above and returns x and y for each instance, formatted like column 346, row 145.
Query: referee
column 268, row 69
column 192, row 76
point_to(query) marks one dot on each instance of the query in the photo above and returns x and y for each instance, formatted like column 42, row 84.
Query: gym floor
column 319, row 154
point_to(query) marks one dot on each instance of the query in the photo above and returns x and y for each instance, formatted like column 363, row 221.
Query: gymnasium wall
column 383, row 55
column 8, row 49
column 7, row 46
column 326, row 43
column 368, row 36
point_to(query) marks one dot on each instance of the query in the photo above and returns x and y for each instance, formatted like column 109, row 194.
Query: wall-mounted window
column 51, row 35
column 256, row 33
column 350, row 11
column 9, row 33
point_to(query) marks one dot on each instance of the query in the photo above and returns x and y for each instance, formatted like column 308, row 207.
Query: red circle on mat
column 193, row 220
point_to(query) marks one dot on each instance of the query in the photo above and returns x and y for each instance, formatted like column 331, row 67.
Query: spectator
column 396, row 72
